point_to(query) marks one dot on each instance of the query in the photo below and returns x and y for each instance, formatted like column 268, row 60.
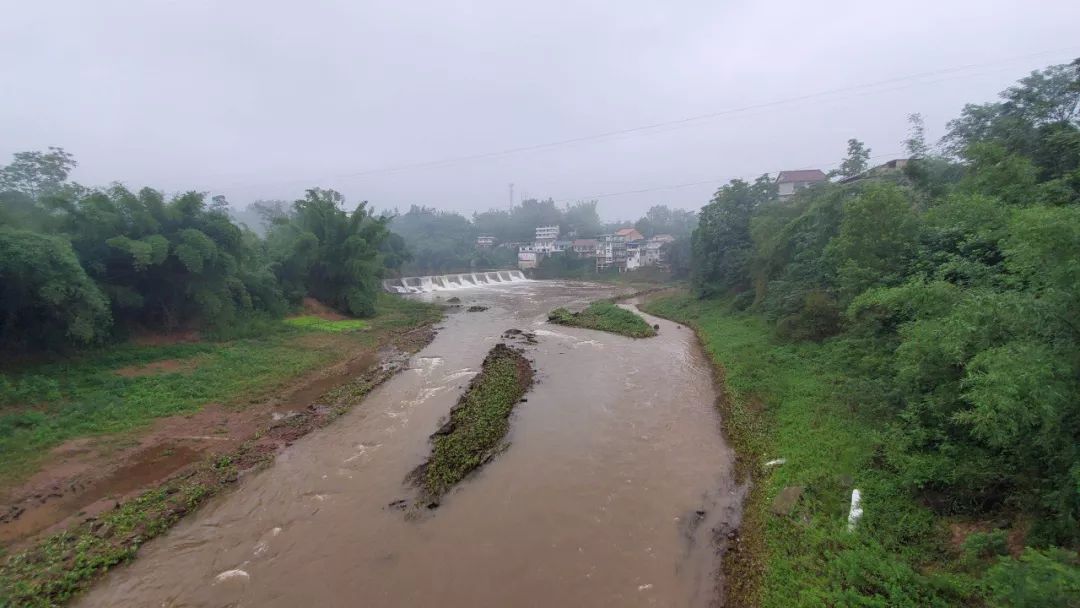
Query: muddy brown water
column 612, row 493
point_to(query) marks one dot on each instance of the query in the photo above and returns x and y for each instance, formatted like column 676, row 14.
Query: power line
column 693, row 119
column 827, row 95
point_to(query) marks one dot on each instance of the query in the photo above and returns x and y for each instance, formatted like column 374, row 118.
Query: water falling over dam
column 443, row 282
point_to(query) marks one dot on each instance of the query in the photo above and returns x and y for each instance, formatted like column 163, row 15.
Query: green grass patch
column 782, row 402
column 319, row 324
column 478, row 423
column 46, row 403
column 604, row 316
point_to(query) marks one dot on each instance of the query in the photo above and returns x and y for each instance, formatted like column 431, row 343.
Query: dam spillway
column 446, row 282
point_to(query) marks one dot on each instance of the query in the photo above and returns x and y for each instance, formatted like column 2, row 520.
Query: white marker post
column 856, row 510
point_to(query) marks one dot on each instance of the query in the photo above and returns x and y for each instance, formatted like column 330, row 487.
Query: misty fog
column 260, row 100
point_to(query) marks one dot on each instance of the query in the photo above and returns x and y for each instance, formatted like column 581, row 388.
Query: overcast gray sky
column 261, row 99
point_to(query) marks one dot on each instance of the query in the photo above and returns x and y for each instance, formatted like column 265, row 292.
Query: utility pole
column 511, row 195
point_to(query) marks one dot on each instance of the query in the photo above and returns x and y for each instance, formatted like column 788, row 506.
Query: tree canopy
column 949, row 288
column 82, row 265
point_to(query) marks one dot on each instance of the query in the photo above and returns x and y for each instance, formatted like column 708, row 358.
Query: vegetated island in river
column 604, row 316
column 473, row 433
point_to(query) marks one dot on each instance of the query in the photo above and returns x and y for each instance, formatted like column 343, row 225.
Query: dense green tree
column 876, row 240
column 439, row 241
column 46, row 298
column 660, row 219
column 1045, row 102
column 530, row 214
column 566, row 265
column 949, row 293
column 790, row 242
column 915, row 144
column 519, row 223
column 856, row 161
column 261, row 214
column 37, row 173
column 722, row 245
column 328, row 253
column 395, row 253
column 678, row 255
column 163, row 263
column 582, row 219
column 496, row 223
column 495, row 258
column 105, row 256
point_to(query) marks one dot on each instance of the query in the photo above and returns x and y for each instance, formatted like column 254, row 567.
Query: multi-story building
column 547, row 242
column 634, row 254
column 528, row 257
column 633, row 245
column 585, row 247
column 547, row 233
column 611, row 252
column 654, row 250
column 630, row 234
column 485, row 242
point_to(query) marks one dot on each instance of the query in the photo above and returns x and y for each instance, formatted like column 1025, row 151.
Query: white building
column 527, row 258
column 547, row 233
column 654, row 250
column 611, row 252
column 547, row 242
column 634, row 258
column 790, row 182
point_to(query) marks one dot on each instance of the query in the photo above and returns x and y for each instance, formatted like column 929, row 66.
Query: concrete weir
column 444, row 282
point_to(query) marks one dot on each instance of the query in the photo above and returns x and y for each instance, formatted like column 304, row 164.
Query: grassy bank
column 478, row 423
column 781, row 403
column 56, row 568
column 604, row 316
column 124, row 387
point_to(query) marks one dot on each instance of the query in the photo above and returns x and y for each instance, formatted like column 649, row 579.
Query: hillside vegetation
column 918, row 330
column 444, row 241
column 83, row 266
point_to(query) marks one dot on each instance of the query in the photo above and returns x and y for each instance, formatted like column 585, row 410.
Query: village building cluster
column 627, row 249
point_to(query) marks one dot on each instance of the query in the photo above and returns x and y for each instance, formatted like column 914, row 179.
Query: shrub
column 604, row 316
column 819, row 318
column 1039, row 579
column 45, row 295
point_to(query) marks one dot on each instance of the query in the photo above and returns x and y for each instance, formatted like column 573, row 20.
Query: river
column 616, row 481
